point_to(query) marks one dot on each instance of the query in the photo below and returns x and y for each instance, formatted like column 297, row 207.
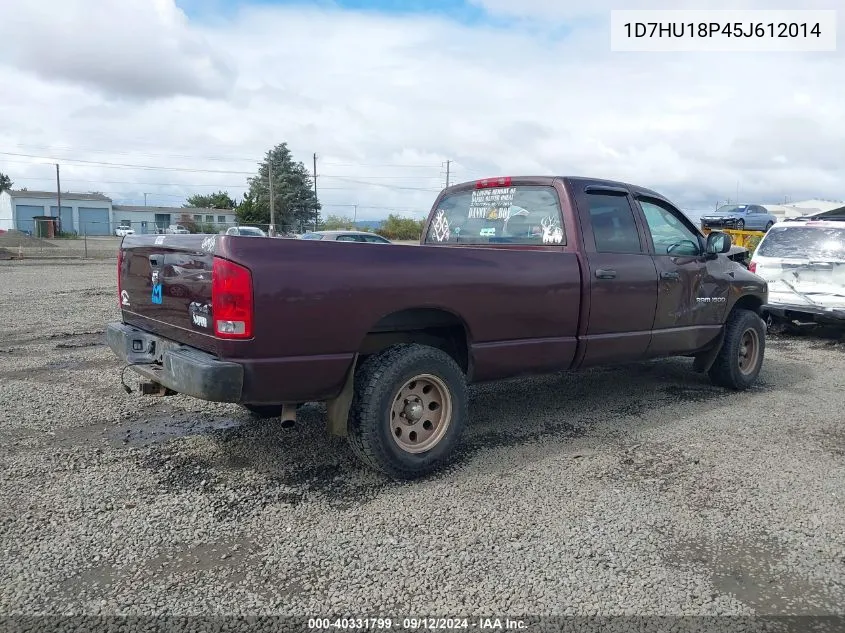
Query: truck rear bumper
column 178, row 367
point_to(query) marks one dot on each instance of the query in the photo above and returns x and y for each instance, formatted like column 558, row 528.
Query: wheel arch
column 749, row 302
column 428, row 325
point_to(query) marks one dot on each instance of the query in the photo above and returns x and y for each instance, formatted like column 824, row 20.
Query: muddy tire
column 741, row 357
column 408, row 411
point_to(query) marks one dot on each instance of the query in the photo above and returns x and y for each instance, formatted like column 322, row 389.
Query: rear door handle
column 604, row 273
column 670, row 275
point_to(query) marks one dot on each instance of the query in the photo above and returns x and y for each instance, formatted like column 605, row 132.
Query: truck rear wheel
column 408, row 411
column 741, row 357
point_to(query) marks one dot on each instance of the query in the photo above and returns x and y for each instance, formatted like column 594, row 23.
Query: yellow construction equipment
column 746, row 239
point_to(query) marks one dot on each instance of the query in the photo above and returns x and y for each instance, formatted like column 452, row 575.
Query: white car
column 249, row 231
column 803, row 262
column 123, row 231
column 178, row 229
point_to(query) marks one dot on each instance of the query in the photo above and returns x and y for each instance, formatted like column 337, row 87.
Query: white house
column 148, row 219
column 81, row 212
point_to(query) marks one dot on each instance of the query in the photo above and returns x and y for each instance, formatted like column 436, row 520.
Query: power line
column 126, row 165
column 76, row 148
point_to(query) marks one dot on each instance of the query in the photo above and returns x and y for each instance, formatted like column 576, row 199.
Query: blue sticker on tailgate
column 156, row 298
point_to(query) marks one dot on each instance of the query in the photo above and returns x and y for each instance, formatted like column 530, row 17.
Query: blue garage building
column 81, row 213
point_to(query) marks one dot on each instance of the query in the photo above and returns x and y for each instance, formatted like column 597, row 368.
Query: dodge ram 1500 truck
column 513, row 276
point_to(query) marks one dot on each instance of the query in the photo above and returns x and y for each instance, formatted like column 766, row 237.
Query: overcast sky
column 196, row 91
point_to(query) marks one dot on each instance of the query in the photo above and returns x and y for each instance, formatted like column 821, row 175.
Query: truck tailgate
column 165, row 286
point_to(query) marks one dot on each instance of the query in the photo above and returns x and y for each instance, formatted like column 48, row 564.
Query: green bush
column 336, row 223
column 399, row 228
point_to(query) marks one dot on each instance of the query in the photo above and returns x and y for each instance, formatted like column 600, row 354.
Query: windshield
column 804, row 242
column 732, row 208
column 253, row 232
column 512, row 215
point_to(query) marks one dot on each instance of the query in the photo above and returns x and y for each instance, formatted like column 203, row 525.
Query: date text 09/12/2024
column 418, row 624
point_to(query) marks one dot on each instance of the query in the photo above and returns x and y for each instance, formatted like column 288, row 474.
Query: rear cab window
column 519, row 214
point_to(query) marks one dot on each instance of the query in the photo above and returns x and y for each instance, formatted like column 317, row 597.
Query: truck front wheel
column 408, row 410
column 741, row 357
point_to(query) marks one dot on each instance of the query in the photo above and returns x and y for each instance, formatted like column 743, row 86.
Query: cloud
column 386, row 100
column 131, row 48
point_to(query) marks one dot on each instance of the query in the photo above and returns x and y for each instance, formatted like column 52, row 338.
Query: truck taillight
column 504, row 181
column 231, row 300
column 752, row 267
column 119, row 286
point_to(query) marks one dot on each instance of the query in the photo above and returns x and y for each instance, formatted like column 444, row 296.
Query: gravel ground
column 631, row 490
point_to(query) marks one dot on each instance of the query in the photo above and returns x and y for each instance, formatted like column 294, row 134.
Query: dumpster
column 46, row 226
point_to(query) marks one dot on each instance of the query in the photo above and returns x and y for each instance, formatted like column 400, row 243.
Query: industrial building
column 80, row 212
column 95, row 214
column 806, row 207
column 148, row 219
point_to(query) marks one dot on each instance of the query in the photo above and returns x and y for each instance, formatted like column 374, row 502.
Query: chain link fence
column 45, row 237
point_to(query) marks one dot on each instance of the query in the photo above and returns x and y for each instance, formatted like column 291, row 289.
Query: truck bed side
column 316, row 302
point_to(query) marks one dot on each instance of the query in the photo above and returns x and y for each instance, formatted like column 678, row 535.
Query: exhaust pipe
column 288, row 416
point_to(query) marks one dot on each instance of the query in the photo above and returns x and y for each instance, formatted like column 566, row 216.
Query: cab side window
column 669, row 234
column 614, row 226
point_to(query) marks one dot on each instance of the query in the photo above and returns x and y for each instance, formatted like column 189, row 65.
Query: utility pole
column 272, row 229
column 355, row 214
column 58, row 192
column 316, row 211
column 448, row 164
column 145, row 199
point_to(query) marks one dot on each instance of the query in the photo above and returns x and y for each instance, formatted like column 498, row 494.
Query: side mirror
column 717, row 242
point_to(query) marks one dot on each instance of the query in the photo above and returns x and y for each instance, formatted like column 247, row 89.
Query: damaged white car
column 803, row 262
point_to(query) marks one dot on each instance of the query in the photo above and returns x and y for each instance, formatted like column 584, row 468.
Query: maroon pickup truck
column 513, row 276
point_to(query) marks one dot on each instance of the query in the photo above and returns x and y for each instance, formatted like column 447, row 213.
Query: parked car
column 513, row 276
column 803, row 262
column 177, row 229
column 123, row 231
column 742, row 217
column 346, row 236
column 248, row 231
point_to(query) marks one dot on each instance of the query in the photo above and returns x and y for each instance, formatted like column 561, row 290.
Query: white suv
column 803, row 262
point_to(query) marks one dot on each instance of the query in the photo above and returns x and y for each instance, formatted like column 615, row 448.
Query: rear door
column 622, row 275
column 692, row 290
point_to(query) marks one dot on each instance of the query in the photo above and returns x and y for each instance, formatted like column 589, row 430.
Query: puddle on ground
column 46, row 374
column 756, row 572
column 155, row 425
column 155, row 429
